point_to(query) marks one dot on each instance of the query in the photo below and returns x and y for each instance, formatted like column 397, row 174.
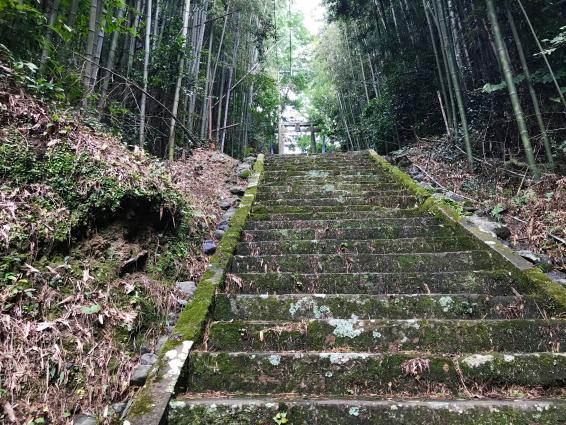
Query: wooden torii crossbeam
column 298, row 126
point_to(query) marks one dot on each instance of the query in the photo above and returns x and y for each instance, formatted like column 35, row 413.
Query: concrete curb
column 150, row 405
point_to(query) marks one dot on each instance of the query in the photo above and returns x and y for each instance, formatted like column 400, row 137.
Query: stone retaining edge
column 553, row 293
column 150, row 405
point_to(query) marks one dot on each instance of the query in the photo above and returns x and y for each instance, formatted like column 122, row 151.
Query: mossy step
column 274, row 162
column 325, row 190
column 360, row 263
column 324, row 178
column 300, row 182
column 323, row 170
column 365, row 374
column 320, row 165
column 325, row 187
column 384, row 213
column 496, row 282
column 341, row 246
column 333, row 194
column 390, row 336
column 320, row 306
column 385, row 201
column 354, row 223
column 378, row 232
column 300, row 411
column 313, row 210
column 327, row 176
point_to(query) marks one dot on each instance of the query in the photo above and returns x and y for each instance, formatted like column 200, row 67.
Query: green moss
column 192, row 320
column 245, row 174
column 142, row 404
column 554, row 293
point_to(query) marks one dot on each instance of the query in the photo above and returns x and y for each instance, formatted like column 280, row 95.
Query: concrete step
column 321, row 165
column 323, row 187
column 322, row 172
column 303, row 182
column 341, row 246
column 495, row 282
column 290, row 307
column 341, row 215
column 390, row 336
column 392, row 201
column 237, row 410
column 287, row 160
column 364, row 374
column 267, row 208
column 338, row 194
column 369, row 233
column 360, row 263
column 354, row 223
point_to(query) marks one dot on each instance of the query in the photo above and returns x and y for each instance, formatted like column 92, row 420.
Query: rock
column 160, row 343
column 503, row 232
column 225, row 203
column 139, row 375
column 250, row 159
column 134, row 264
column 209, row 247
column 85, row 420
column 228, row 214
column 187, row 288
column 418, row 177
column 427, row 186
column 245, row 174
column 218, row 234
column 224, row 225
column 144, row 349
column 238, row 190
column 558, row 277
column 484, row 224
column 454, row 196
column 148, row 359
column 539, row 259
column 118, row 408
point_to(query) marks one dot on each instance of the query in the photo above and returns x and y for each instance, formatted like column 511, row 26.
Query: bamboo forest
column 259, row 212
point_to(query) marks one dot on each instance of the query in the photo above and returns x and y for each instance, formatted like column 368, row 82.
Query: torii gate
column 298, row 126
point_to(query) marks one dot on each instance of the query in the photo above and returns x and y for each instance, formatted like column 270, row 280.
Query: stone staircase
column 347, row 304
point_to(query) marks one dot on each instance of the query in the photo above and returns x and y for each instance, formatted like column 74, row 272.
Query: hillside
column 94, row 238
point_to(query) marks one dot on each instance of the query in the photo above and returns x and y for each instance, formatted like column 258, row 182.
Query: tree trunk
column 72, row 19
column 110, row 61
column 145, row 72
column 230, row 78
column 207, row 99
column 456, row 85
column 133, row 38
column 444, row 98
column 508, row 74
column 49, row 39
column 185, row 31
column 532, row 92
column 90, row 46
column 99, row 41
